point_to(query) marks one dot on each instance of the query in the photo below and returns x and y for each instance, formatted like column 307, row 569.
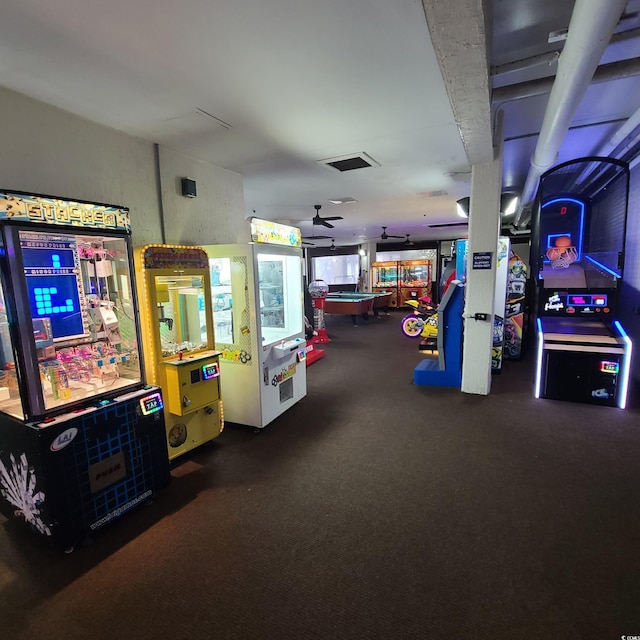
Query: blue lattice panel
column 79, row 472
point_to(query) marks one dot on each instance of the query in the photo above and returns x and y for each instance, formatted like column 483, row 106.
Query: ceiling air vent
column 350, row 162
column 432, row 194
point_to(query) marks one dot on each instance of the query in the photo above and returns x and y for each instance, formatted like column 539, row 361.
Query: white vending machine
column 258, row 313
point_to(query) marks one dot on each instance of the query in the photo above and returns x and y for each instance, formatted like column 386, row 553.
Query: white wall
column 49, row 151
column 52, row 152
column 215, row 216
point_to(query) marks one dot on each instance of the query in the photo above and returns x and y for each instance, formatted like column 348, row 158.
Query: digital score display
column 582, row 304
column 606, row 366
column 151, row 403
column 559, row 218
column 52, row 285
column 592, row 300
column 210, row 371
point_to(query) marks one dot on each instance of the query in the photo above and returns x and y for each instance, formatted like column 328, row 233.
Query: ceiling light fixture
column 346, row 200
column 508, row 203
column 463, row 207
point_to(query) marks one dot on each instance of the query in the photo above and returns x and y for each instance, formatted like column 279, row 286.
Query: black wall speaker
column 188, row 188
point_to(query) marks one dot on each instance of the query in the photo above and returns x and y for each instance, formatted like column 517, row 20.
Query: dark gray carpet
column 372, row 509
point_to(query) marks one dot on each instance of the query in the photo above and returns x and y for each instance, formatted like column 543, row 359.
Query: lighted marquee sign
column 267, row 232
column 31, row 208
column 169, row 256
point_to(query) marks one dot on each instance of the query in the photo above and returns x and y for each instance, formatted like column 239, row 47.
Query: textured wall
column 49, row 151
column 52, row 152
column 215, row 216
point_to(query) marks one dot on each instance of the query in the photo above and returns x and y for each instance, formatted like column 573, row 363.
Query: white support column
column 484, row 228
column 365, row 264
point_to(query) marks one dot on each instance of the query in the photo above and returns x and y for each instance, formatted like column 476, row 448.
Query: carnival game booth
column 81, row 433
column 577, row 258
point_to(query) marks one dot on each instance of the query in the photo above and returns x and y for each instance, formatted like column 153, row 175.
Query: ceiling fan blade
column 384, row 235
column 333, row 218
column 324, row 223
column 314, row 237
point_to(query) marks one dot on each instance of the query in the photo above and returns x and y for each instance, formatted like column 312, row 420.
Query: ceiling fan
column 318, row 220
column 384, row 235
column 315, row 237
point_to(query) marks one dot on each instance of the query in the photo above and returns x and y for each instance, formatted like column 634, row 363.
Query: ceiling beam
column 459, row 38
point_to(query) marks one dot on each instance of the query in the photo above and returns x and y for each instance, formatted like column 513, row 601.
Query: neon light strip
column 626, row 367
column 599, row 264
column 539, row 359
column 578, row 202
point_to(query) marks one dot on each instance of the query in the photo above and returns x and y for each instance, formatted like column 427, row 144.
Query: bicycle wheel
column 411, row 326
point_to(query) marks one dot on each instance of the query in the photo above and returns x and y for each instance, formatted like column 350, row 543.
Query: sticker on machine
column 284, row 374
column 63, row 439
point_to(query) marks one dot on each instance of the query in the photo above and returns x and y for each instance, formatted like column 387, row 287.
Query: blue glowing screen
column 52, row 284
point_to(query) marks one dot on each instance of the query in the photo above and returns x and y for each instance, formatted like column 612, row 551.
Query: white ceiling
column 287, row 83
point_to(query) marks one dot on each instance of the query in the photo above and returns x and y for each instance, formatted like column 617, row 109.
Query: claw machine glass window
column 82, row 318
column 10, row 401
column 385, row 278
column 222, row 299
column 280, row 291
column 180, row 314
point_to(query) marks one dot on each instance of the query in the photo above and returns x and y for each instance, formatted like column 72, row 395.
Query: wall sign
column 482, row 260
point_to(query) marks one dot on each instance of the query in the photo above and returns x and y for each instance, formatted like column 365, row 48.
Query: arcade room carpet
column 373, row 509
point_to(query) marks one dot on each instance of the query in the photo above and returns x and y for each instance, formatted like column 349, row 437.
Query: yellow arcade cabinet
column 177, row 326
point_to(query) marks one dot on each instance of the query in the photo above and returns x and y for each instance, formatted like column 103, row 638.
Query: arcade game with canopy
column 577, row 257
column 81, row 434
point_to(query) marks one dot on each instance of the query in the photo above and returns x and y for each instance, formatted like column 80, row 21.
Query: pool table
column 356, row 304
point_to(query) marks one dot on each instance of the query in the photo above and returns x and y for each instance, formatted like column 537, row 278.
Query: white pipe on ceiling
column 590, row 29
column 622, row 135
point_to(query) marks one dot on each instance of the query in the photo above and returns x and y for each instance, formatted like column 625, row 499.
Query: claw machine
column 81, row 432
column 180, row 357
column 414, row 280
column 258, row 310
column 385, row 279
